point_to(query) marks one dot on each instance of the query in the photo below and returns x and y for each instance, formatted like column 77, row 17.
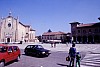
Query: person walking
column 51, row 44
column 54, row 44
column 72, row 54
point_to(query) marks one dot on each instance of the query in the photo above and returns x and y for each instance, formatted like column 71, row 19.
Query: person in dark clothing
column 51, row 44
column 78, row 57
column 72, row 52
column 54, row 44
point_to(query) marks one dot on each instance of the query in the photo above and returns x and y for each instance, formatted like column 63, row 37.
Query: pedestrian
column 54, row 44
column 78, row 57
column 51, row 44
column 72, row 52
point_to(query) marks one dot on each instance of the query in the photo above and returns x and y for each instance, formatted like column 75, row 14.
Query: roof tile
column 53, row 33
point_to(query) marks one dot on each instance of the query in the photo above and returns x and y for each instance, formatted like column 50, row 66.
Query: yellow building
column 12, row 30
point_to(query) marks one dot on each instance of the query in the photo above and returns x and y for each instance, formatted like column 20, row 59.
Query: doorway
column 8, row 40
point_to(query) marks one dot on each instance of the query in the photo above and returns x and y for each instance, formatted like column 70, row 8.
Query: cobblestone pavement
column 91, row 59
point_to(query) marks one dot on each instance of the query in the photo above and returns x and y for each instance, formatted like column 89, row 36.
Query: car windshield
column 39, row 46
column 3, row 49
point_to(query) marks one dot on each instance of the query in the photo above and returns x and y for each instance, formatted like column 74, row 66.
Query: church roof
column 24, row 25
column 32, row 29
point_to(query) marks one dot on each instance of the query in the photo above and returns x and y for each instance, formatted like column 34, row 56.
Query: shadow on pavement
column 63, row 65
column 35, row 56
column 11, row 62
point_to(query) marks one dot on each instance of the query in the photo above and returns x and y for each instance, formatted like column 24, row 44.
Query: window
column 78, row 31
column 9, row 24
column 15, row 48
column 33, row 47
column 10, row 49
column 50, row 37
column 90, row 30
column 39, row 46
column 96, row 30
column 3, row 49
column 84, row 31
column 26, row 33
column 73, row 32
column 28, row 47
column 47, row 37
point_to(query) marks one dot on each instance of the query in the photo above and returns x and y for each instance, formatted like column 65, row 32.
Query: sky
column 56, row 15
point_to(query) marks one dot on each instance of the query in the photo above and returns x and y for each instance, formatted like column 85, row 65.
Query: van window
column 15, row 48
column 3, row 49
column 10, row 49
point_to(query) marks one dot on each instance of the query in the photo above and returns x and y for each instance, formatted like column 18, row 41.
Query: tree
column 49, row 30
column 99, row 18
column 39, row 38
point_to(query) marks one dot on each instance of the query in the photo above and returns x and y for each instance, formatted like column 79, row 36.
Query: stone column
column 93, row 39
column 76, row 39
column 87, row 39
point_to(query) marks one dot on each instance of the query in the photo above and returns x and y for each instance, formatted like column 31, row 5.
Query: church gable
column 9, row 23
column 11, row 30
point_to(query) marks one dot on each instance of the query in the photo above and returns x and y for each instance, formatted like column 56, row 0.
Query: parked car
column 36, row 50
column 8, row 54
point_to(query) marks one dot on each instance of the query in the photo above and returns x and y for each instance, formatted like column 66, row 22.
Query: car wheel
column 26, row 53
column 2, row 64
column 38, row 55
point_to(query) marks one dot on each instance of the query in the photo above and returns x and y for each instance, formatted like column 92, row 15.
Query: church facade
column 12, row 30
